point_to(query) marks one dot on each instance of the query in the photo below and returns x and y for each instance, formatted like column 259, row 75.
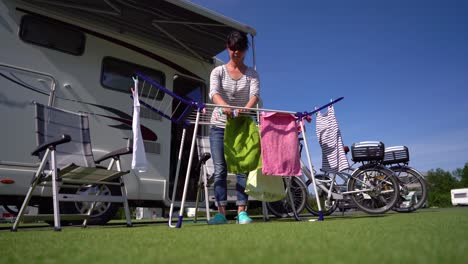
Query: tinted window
column 117, row 75
column 52, row 34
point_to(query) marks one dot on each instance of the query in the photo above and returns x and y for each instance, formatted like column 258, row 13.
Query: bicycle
column 413, row 187
column 371, row 187
column 329, row 201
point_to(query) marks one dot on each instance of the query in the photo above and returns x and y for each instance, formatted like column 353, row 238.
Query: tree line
column 440, row 182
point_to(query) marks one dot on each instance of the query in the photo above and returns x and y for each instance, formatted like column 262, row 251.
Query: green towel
column 242, row 145
column 265, row 188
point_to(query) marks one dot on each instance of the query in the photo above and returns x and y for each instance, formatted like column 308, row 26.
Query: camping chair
column 206, row 166
column 64, row 147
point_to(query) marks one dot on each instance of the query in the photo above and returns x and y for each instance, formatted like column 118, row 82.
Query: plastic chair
column 205, row 164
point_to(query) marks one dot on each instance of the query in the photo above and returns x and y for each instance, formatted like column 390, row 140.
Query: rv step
column 47, row 217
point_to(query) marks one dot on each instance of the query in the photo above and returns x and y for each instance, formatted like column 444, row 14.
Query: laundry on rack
column 139, row 161
column 242, row 145
column 329, row 137
column 280, row 146
column 264, row 188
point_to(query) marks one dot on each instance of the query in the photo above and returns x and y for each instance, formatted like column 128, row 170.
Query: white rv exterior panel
column 78, row 88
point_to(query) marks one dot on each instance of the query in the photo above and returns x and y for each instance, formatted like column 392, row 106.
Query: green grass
column 426, row 236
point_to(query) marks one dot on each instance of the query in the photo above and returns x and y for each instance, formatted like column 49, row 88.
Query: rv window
column 52, row 34
column 117, row 75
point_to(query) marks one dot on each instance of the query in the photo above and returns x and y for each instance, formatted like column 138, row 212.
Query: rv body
column 85, row 73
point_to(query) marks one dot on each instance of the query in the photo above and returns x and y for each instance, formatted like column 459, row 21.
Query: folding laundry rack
column 186, row 112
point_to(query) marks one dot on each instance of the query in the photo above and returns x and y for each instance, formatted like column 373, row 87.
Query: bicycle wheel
column 413, row 189
column 374, row 190
column 328, row 207
column 282, row 208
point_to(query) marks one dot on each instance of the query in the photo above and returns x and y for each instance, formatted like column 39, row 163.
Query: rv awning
column 175, row 24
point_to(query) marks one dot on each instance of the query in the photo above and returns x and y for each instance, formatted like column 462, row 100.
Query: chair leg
column 199, row 187
column 197, row 201
column 202, row 183
column 91, row 208
column 25, row 204
column 34, row 183
column 207, row 201
column 123, row 191
column 55, row 189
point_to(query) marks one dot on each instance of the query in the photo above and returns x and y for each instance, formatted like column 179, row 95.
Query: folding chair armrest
column 57, row 141
column 203, row 158
column 115, row 154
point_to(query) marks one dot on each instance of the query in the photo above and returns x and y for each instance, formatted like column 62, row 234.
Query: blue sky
column 402, row 67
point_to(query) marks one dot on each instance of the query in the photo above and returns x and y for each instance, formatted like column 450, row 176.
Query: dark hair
column 237, row 40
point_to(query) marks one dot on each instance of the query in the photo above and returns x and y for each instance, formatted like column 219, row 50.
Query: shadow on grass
column 307, row 217
column 258, row 219
column 47, row 227
column 26, row 227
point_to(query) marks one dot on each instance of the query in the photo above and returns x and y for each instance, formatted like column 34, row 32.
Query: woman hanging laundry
column 231, row 84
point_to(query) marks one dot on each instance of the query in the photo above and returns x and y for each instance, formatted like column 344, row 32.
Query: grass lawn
column 426, row 236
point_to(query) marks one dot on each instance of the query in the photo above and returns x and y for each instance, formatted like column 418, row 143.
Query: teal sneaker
column 218, row 219
column 243, row 218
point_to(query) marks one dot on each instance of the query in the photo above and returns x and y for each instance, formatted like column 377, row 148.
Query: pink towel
column 280, row 147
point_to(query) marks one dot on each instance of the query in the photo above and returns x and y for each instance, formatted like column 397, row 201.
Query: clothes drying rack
column 186, row 112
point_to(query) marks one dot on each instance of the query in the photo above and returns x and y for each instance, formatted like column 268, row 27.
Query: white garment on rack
column 139, row 161
column 329, row 137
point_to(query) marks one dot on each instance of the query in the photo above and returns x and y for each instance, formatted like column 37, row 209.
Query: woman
column 231, row 84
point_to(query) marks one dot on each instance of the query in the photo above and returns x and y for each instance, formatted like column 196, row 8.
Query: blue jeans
column 220, row 171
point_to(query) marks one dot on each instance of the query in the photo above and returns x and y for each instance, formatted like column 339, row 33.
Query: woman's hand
column 228, row 111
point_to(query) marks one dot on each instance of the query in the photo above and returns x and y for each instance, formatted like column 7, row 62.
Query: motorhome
column 459, row 196
column 80, row 55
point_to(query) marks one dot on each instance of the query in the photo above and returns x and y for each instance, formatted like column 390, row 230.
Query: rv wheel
column 102, row 212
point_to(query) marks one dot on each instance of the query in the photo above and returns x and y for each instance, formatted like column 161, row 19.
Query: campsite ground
column 426, row 236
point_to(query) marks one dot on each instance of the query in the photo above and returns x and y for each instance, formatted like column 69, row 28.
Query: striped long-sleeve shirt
column 234, row 92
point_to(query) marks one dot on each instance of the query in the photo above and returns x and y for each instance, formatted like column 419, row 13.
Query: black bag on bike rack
column 395, row 155
column 368, row 151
